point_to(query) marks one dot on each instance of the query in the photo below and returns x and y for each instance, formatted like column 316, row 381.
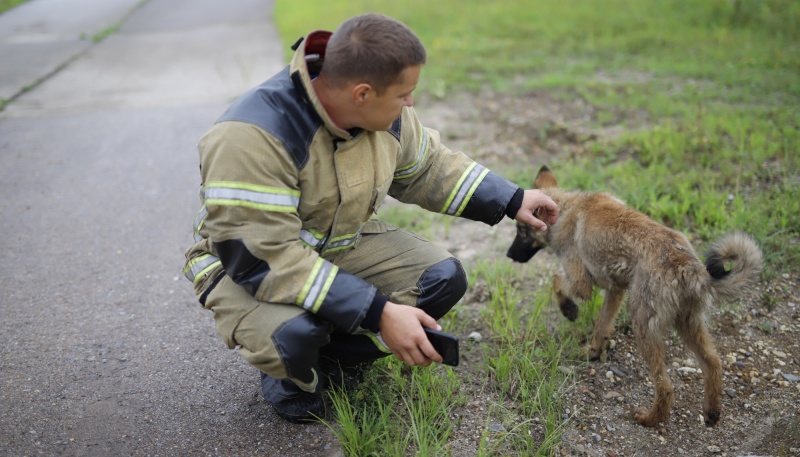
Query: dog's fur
column 601, row 242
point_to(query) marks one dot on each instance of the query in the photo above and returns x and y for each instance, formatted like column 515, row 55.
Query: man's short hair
column 371, row 48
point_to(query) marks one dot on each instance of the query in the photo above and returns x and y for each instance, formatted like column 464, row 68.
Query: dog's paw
column 711, row 417
column 569, row 309
column 590, row 354
column 645, row 418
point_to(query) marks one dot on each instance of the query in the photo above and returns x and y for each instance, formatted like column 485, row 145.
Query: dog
column 601, row 242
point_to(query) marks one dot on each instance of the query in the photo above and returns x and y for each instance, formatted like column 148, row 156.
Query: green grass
column 410, row 217
column 411, row 410
column 6, row 5
column 710, row 94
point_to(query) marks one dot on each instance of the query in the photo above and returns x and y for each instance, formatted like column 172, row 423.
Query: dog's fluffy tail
column 734, row 261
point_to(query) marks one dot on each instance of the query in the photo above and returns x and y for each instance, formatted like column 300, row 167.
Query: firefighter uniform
column 288, row 253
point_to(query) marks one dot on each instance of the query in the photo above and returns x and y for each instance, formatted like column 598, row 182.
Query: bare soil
column 757, row 338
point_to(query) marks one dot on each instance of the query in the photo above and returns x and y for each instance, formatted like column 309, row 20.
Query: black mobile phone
column 445, row 344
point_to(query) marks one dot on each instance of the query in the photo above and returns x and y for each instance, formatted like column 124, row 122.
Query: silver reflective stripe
column 342, row 242
column 232, row 194
column 465, row 189
column 319, row 286
column 414, row 168
column 311, row 240
column 198, row 223
column 378, row 340
column 200, row 266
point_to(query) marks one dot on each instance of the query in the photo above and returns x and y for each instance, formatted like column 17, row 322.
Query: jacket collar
column 310, row 52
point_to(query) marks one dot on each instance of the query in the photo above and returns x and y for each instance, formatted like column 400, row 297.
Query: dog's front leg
column 567, row 306
column 572, row 284
column 605, row 322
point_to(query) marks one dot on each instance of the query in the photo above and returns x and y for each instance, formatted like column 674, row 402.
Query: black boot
column 290, row 402
column 342, row 377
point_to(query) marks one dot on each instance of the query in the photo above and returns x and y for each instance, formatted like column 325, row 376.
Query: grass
column 6, row 5
column 709, row 92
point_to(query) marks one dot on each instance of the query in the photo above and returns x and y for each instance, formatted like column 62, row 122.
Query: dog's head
column 529, row 240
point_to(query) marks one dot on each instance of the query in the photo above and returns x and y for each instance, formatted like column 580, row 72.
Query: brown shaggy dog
column 601, row 242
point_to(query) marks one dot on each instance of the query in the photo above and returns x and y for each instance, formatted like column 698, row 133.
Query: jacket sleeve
column 251, row 193
column 434, row 177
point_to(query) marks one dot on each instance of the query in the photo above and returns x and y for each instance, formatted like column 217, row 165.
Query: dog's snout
column 521, row 250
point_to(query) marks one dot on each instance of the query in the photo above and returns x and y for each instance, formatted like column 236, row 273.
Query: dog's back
column 619, row 246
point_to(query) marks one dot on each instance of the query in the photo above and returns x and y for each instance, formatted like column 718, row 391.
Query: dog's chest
column 610, row 274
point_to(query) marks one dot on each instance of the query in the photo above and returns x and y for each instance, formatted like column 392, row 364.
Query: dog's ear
column 545, row 178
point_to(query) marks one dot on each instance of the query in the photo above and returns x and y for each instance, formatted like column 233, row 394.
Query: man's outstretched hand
column 537, row 210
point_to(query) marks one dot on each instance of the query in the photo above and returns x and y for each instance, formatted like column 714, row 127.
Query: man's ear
column 361, row 93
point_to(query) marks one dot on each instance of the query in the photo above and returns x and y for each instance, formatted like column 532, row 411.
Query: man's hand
column 537, row 210
column 402, row 330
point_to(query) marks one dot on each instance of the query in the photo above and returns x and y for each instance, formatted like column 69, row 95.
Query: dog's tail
column 734, row 261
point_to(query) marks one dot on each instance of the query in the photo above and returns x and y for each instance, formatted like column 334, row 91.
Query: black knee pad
column 298, row 341
column 441, row 287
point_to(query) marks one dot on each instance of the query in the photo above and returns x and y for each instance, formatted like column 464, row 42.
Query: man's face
column 381, row 111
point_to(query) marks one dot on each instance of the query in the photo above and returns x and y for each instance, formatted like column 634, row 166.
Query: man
column 287, row 256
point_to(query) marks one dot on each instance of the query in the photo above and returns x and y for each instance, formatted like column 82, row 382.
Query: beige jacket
column 284, row 190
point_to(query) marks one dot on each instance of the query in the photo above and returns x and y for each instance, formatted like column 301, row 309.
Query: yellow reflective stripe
column 325, row 288
column 343, row 240
column 471, row 191
column 312, row 238
column 199, row 266
column 413, row 169
column 310, row 387
column 379, row 342
column 252, row 196
column 454, row 193
column 464, row 189
column 317, row 285
column 199, row 220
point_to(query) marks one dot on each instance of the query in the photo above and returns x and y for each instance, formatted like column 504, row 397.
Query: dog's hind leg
column 651, row 346
column 605, row 322
column 693, row 331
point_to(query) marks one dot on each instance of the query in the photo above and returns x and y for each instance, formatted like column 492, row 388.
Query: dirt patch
column 535, row 127
column 757, row 337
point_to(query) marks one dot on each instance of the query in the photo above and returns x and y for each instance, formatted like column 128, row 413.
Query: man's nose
column 409, row 100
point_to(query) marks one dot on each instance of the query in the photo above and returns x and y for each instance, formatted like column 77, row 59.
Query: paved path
column 104, row 350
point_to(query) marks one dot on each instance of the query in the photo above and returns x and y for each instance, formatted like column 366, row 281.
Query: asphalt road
column 104, row 349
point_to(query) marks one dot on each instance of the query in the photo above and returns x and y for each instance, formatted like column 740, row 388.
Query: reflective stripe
column 312, row 238
column 342, row 242
column 464, row 189
column 311, row 387
column 198, row 223
column 378, row 340
column 199, row 266
column 411, row 170
column 317, row 285
column 258, row 197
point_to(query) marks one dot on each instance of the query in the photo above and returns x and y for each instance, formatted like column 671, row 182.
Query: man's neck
column 332, row 101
